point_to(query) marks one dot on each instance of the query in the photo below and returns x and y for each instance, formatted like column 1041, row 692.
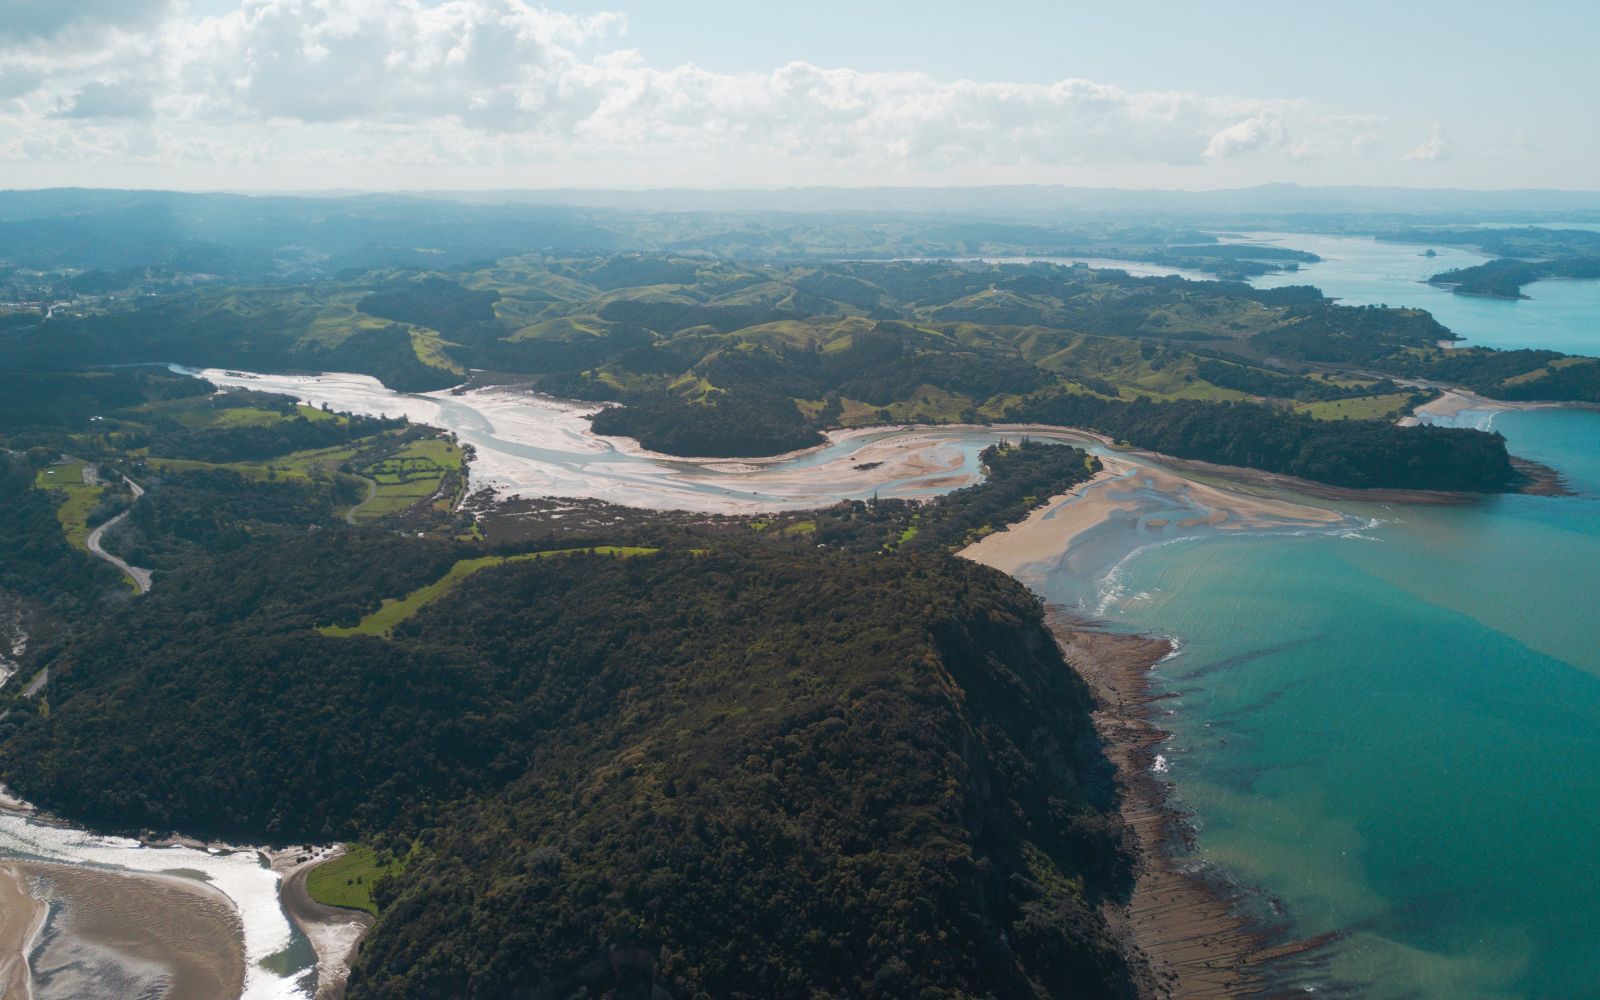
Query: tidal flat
column 1283, row 609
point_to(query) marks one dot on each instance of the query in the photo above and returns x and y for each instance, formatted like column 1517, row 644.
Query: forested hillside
column 601, row 751
column 724, row 358
column 867, row 750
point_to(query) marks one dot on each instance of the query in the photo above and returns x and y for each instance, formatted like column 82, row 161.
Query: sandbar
column 1123, row 486
column 21, row 916
column 119, row 932
column 334, row 932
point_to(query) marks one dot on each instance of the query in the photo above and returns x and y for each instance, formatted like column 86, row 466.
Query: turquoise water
column 1395, row 733
column 1558, row 315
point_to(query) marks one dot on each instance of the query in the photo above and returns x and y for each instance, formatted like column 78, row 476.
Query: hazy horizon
column 1266, row 186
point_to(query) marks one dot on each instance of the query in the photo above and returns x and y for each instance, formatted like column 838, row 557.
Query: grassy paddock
column 1380, row 407
column 347, row 880
column 408, row 476
column 393, row 611
column 80, row 498
column 254, row 471
column 209, row 413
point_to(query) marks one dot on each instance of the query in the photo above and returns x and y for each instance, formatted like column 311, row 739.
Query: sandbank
column 21, row 917
column 128, row 933
column 1125, row 487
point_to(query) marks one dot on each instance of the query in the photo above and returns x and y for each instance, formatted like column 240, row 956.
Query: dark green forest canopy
column 1505, row 278
column 807, row 755
column 724, row 358
column 870, row 759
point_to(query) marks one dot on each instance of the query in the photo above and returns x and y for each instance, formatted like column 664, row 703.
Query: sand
column 529, row 445
column 335, row 933
column 1123, row 487
column 1452, row 402
column 21, row 917
column 124, row 933
column 1185, row 923
column 157, row 887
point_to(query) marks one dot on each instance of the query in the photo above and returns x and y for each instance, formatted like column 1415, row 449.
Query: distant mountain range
column 298, row 235
column 1032, row 200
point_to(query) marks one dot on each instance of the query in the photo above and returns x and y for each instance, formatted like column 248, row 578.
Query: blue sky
column 497, row 93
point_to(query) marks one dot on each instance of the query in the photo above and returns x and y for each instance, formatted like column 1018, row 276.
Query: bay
column 1394, row 734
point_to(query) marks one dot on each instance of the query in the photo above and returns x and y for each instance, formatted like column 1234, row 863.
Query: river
column 1387, row 724
column 1388, row 731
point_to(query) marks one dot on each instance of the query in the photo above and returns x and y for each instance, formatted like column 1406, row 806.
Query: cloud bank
column 297, row 83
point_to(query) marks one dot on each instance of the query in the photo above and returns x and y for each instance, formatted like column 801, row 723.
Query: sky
column 488, row 94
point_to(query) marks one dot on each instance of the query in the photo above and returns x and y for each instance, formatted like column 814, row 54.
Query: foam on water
column 1367, row 729
column 1111, row 587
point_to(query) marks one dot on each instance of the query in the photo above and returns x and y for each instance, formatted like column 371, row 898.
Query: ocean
column 1394, row 733
column 1385, row 729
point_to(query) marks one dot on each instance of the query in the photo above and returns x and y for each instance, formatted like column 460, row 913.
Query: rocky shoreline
column 1185, row 921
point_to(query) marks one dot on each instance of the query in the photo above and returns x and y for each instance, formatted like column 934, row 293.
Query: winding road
column 372, row 491
column 140, row 577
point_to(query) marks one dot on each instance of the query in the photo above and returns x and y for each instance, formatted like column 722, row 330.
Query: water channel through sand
column 105, row 916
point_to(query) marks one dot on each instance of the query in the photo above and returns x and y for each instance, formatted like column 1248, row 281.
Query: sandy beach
column 1122, row 489
column 205, row 918
column 335, row 933
column 1453, row 402
column 1197, row 943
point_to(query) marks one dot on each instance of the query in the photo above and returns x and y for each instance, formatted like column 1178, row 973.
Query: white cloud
column 1434, row 148
column 1248, row 136
column 491, row 62
column 502, row 81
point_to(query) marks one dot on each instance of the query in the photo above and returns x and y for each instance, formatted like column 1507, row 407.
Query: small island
column 1505, row 278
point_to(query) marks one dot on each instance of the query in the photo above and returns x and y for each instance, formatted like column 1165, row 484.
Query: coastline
column 1452, row 402
column 206, row 915
column 117, row 930
column 1122, row 490
column 529, row 445
column 1186, row 921
column 1184, row 927
column 335, row 933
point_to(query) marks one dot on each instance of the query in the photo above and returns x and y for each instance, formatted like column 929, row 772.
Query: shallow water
column 1395, row 732
column 536, row 446
column 1390, row 727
